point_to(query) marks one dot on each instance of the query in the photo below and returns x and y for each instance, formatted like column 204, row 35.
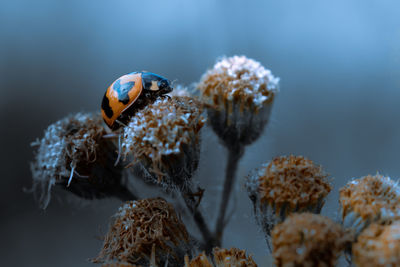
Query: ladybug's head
column 156, row 83
column 164, row 86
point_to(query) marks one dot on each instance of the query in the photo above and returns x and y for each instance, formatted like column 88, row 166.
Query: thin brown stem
column 198, row 219
column 234, row 155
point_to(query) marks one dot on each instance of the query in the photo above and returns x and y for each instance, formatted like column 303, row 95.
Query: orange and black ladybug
column 130, row 93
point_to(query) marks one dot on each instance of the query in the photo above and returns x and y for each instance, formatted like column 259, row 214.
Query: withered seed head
column 223, row 258
column 306, row 239
column 378, row 245
column 286, row 184
column 369, row 199
column 74, row 155
column 140, row 225
column 239, row 93
column 164, row 138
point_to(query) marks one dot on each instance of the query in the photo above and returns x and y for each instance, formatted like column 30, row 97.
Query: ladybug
column 130, row 93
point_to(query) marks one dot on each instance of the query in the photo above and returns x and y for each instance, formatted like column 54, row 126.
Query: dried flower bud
column 306, row 239
column 164, row 138
column 74, row 155
column 239, row 93
column 285, row 185
column 141, row 227
column 223, row 258
column 369, row 199
column 378, row 246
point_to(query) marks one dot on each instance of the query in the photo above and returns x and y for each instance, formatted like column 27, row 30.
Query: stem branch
column 198, row 219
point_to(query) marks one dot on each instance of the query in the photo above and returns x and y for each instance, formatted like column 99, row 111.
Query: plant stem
column 234, row 155
column 198, row 219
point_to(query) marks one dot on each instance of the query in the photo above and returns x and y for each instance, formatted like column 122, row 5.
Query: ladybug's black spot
column 123, row 90
column 105, row 105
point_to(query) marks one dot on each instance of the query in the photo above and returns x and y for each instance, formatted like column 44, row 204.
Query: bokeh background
column 339, row 64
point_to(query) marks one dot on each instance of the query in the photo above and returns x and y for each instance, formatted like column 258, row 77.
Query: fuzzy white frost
column 251, row 71
column 54, row 151
column 164, row 131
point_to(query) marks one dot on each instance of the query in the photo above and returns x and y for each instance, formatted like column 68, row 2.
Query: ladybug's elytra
column 130, row 93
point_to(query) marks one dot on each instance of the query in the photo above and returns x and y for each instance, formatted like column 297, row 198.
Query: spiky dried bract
column 164, row 138
column 73, row 152
column 138, row 226
column 239, row 93
column 369, row 199
column 286, row 184
column 223, row 258
column 306, row 239
column 378, row 245
column 200, row 261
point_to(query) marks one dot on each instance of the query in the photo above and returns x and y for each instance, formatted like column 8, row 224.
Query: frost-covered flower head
column 378, row 245
column 285, row 185
column 74, row 155
column 306, row 239
column 239, row 93
column 369, row 199
column 144, row 230
column 222, row 258
column 164, row 137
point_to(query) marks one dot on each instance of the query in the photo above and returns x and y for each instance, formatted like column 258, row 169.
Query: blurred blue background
column 339, row 64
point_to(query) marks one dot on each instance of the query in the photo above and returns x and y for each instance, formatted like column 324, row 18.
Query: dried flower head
column 74, row 155
column 369, row 199
column 306, row 239
column 378, row 245
column 239, row 93
column 164, row 138
column 223, row 258
column 141, row 227
column 286, row 184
